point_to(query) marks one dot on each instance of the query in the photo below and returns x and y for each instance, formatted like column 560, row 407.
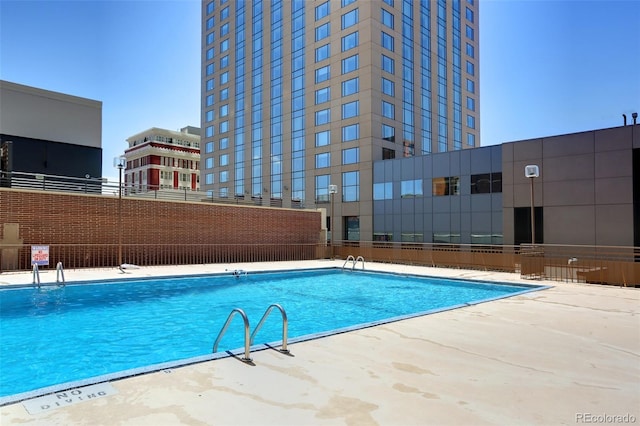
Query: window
column 323, row 138
column 388, row 110
column 323, row 116
column 388, row 87
column 323, row 95
column 224, row 13
column 224, row 30
column 224, row 126
column 410, row 188
column 350, row 155
column 209, row 179
column 471, row 121
column 208, row 163
column 350, row 41
column 322, row 188
column 469, row 15
column 383, row 191
column 210, row 54
column 224, row 176
column 208, row 147
column 224, row 143
column 388, row 64
column 224, row 110
column 347, row 2
column 350, row 109
column 388, row 154
column 387, row 41
column 224, row 45
column 388, row 133
column 210, row 69
column 471, row 104
column 209, row 115
column 469, row 32
column 470, row 68
column 322, row 31
column 209, row 100
column 349, row 64
column 387, row 18
column 471, row 87
column 481, row 183
column 322, row 53
column 350, row 133
column 470, row 50
column 486, row 183
column 323, row 160
column 224, row 61
column 446, row 185
column 224, row 160
column 349, row 19
column 210, row 23
column 323, row 74
column 471, row 139
column 322, row 10
column 210, row 84
column 224, row 78
column 349, row 87
column 350, row 186
column 389, row 2
column 208, row 131
column 211, row 37
column 210, row 7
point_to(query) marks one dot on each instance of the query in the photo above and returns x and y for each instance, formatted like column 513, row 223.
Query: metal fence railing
column 75, row 256
column 586, row 264
column 102, row 186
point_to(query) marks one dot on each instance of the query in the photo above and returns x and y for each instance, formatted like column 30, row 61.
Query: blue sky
column 546, row 66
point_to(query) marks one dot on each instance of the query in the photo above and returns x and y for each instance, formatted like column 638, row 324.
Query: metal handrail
column 247, row 357
column 349, row 258
column 60, row 273
column 36, row 274
column 355, row 261
column 284, row 326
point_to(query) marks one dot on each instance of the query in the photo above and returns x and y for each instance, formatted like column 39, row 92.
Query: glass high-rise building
column 300, row 95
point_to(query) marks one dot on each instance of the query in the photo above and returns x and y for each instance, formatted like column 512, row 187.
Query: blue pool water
column 52, row 336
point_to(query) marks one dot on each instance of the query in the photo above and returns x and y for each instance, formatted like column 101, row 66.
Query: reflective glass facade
column 299, row 95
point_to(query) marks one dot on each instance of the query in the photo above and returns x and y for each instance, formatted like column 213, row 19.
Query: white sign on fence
column 40, row 255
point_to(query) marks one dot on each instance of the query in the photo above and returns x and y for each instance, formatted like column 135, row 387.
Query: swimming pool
column 53, row 336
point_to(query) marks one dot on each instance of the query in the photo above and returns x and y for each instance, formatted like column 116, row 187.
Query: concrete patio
column 569, row 354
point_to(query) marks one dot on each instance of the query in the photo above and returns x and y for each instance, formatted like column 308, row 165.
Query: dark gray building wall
column 585, row 188
column 444, row 211
column 53, row 158
column 585, row 194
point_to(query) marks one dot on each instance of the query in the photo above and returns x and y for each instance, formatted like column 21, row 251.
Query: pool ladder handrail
column 355, row 261
column 59, row 273
column 247, row 357
column 36, row 274
column 284, row 326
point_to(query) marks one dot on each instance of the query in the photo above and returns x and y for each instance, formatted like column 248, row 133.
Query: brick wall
column 58, row 218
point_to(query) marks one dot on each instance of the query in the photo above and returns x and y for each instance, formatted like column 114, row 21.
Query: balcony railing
column 99, row 186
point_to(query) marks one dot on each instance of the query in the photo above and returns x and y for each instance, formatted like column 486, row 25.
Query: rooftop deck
column 563, row 355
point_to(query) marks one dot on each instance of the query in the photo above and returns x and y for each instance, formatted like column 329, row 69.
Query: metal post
column 531, row 172
column 332, row 191
column 119, row 162
column 533, row 219
column 119, row 215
